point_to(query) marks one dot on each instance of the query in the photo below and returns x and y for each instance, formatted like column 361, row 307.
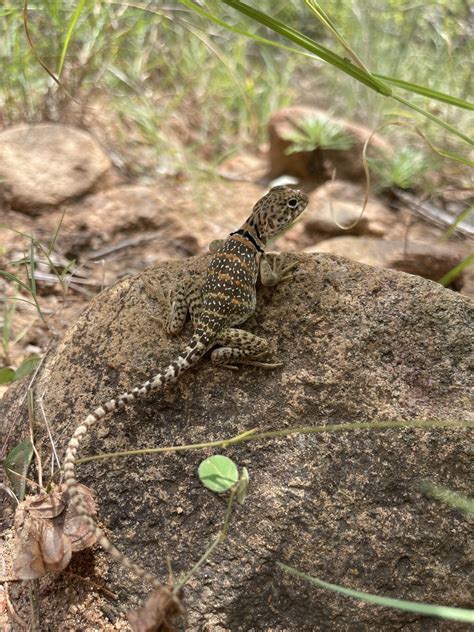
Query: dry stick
column 91, row 582
column 252, row 435
column 35, row 613
column 55, row 454
column 11, row 610
column 207, row 554
column 31, row 417
column 8, row 490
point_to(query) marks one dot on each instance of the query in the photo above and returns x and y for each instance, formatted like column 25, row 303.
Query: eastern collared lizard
column 226, row 299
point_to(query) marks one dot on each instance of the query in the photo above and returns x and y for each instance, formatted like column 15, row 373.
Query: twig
column 11, row 610
column 31, row 417
column 87, row 580
column 252, row 435
column 207, row 554
column 35, row 616
column 41, row 407
column 126, row 243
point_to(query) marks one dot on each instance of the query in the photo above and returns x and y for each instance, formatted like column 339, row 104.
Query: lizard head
column 276, row 210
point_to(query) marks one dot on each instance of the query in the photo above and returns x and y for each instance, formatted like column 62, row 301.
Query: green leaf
column 242, row 487
column 7, row 375
column 426, row 92
column 432, row 610
column 27, row 367
column 218, row 473
column 16, row 466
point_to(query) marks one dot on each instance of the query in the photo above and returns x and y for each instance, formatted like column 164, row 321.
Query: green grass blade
column 426, row 92
column 67, row 39
column 432, row 610
column 434, row 118
column 445, row 495
column 32, row 266
column 239, row 31
column 15, row 279
column 309, row 44
column 324, row 18
column 340, row 63
column 410, row 86
column 460, row 218
column 456, row 271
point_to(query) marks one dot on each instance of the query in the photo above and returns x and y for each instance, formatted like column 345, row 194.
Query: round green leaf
column 218, row 473
column 7, row 375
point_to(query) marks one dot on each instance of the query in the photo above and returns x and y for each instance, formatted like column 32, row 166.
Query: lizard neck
column 250, row 233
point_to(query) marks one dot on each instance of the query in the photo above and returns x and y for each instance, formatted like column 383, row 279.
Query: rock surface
column 358, row 345
column 316, row 165
column 43, row 165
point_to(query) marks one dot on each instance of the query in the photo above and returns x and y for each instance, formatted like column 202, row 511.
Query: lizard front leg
column 241, row 347
column 187, row 299
column 276, row 272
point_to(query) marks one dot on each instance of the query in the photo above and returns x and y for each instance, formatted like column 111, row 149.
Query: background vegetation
column 170, row 74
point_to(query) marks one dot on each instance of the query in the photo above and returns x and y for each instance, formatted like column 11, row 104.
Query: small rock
column 318, row 164
column 336, row 218
column 335, row 208
column 245, row 166
column 43, row 165
column 424, row 260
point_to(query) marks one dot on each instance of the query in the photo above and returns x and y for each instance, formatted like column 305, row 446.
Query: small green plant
column 16, row 466
column 318, row 131
column 8, row 375
column 218, row 473
column 402, row 169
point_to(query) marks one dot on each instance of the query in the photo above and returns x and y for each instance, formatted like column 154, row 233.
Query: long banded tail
column 197, row 347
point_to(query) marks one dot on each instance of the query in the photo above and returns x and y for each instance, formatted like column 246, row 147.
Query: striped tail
column 197, row 347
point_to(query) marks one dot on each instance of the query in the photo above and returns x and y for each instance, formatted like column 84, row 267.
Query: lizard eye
column 292, row 203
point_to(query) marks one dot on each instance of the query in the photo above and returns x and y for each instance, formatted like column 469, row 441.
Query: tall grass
column 162, row 67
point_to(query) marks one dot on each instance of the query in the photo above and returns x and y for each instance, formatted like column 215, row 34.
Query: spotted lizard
column 226, row 299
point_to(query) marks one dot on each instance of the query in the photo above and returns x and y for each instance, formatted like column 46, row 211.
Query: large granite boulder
column 359, row 345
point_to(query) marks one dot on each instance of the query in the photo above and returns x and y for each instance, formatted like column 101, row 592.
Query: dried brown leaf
column 45, row 505
column 48, row 530
column 55, row 547
column 158, row 612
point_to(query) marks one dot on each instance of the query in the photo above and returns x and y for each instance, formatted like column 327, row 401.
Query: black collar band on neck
column 246, row 235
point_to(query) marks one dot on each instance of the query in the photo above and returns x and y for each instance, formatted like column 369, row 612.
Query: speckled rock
column 359, row 344
column 43, row 165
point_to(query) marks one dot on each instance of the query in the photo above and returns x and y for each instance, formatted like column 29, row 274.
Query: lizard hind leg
column 241, row 347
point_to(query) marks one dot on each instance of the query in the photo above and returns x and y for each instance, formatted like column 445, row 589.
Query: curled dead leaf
column 48, row 530
column 158, row 612
column 45, row 505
